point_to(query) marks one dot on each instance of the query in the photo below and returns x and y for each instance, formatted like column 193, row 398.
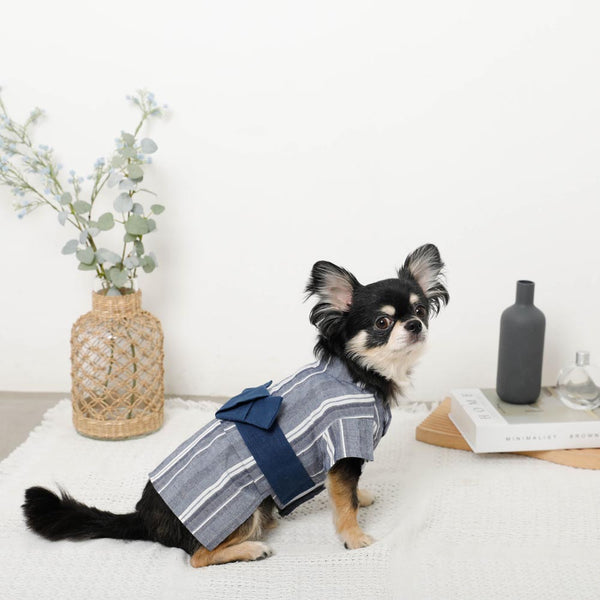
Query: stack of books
column 490, row 425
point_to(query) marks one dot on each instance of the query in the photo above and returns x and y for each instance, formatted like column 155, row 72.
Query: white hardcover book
column 490, row 425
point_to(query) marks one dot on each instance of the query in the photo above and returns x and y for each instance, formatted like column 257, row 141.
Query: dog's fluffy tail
column 60, row 518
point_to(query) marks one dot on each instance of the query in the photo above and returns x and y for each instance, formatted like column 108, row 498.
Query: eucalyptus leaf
column 128, row 238
column 135, row 172
column 106, row 221
column 114, row 178
column 157, row 209
column 127, row 152
column 83, row 237
column 151, row 225
column 70, row 247
column 127, row 184
column 80, row 207
column 148, row 146
column 86, row 256
column 123, row 202
column 84, row 267
column 131, row 262
column 65, row 198
column 113, row 291
column 117, row 276
column 137, row 209
column 117, row 162
column 139, row 247
column 148, row 264
column 136, row 225
column 103, row 255
column 128, row 138
column 62, row 217
column 93, row 231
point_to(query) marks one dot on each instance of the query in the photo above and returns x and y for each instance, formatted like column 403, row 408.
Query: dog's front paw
column 357, row 539
column 365, row 498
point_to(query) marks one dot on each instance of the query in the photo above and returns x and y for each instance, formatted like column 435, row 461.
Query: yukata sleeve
column 350, row 437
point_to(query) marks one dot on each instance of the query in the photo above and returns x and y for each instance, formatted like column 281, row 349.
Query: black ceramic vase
column 521, row 349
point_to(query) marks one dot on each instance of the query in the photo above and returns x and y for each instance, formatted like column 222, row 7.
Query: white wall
column 347, row 131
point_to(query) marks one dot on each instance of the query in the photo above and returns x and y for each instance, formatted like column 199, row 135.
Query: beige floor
column 20, row 412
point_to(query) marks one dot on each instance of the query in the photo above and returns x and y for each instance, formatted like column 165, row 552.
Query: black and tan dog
column 215, row 494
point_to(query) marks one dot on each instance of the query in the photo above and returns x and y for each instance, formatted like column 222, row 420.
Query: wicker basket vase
column 117, row 369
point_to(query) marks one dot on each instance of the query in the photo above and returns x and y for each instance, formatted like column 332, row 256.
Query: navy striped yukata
column 212, row 482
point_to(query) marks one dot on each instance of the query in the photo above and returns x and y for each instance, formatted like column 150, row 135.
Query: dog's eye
column 383, row 323
column 420, row 310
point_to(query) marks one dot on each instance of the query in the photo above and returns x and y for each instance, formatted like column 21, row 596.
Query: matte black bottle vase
column 521, row 350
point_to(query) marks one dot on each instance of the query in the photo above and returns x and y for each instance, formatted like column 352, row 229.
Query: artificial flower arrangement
column 117, row 348
column 35, row 178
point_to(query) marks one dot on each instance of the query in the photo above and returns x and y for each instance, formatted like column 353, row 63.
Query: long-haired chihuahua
column 276, row 446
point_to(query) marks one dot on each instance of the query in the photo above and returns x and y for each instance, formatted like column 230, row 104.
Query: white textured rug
column 450, row 525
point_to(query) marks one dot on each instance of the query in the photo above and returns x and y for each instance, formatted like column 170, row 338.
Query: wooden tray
column 438, row 429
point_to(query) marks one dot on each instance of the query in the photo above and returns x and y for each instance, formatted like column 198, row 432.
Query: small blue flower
column 21, row 213
column 100, row 162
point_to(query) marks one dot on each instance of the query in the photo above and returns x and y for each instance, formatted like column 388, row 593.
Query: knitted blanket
column 449, row 524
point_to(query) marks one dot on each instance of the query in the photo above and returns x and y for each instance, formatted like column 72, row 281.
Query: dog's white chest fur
column 393, row 361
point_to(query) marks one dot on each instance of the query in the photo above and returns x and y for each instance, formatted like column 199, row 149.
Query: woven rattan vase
column 117, row 369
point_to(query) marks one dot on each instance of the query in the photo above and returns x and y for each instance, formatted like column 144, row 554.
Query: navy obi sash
column 254, row 413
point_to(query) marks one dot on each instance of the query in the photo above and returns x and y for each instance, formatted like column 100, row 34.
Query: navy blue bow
column 254, row 406
column 254, row 412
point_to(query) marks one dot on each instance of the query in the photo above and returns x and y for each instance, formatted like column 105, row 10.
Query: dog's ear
column 335, row 289
column 334, row 285
column 425, row 265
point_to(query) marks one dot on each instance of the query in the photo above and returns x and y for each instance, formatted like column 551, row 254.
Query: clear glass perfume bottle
column 578, row 384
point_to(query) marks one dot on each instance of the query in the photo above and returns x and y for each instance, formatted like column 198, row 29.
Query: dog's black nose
column 413, row 326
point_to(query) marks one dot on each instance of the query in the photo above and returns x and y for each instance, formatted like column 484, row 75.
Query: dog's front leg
column 342, row 484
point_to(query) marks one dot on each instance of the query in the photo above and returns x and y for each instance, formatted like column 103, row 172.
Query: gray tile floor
column 20, row 412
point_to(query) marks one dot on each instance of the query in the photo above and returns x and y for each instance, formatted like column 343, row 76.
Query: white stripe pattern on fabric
column 331, row 403
column 341, row 422
column 231, row 498
column 224, row 480
column 192, row 443
column 329, row 446
column 376, row 424
column 190, row 460
column 279, row 385
column 306, row 379
column 317, row 439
